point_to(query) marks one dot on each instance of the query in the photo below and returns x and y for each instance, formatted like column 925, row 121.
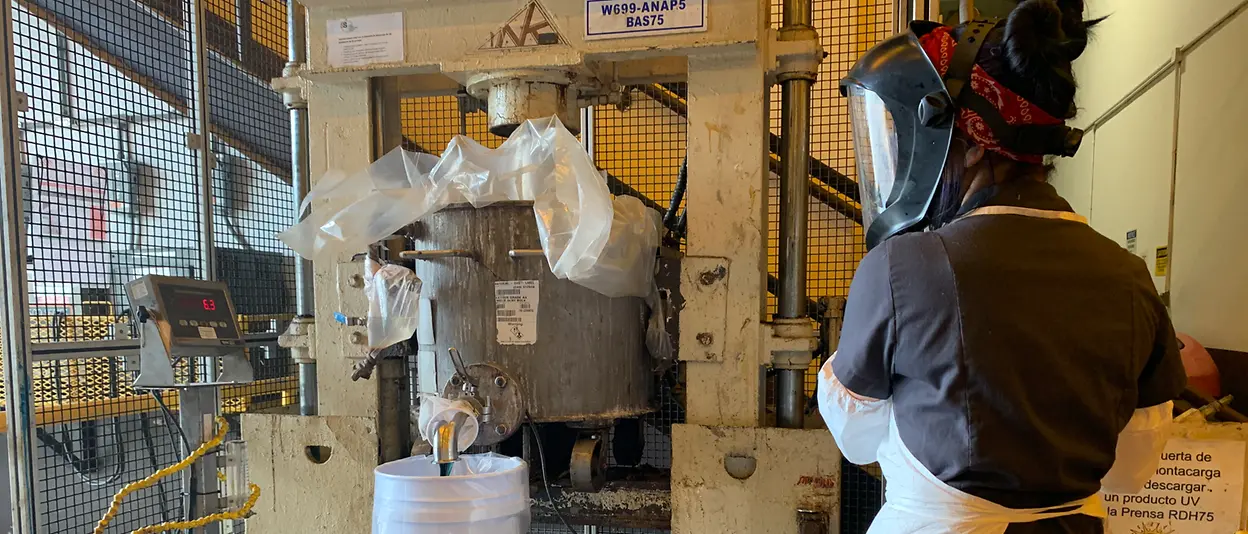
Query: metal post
column 587, row 130
column 794, row 211
column 966, row 10
column 300, row 184
column 202, row 131
column 197, row 410
column 200, row 142
column 16, row 327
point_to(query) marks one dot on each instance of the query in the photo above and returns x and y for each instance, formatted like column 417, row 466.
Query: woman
column 1008, row 363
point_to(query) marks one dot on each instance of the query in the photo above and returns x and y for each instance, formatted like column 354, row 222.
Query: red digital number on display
column 210, row 305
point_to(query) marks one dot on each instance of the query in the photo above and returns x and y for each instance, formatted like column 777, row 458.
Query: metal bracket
column 791, row 343
column 704, row 285
column 300, row 338
column 292, row 88
column 22, row 102
column 793, row 53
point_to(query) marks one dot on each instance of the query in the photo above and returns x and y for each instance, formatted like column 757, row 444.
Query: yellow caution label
column 1161, row 264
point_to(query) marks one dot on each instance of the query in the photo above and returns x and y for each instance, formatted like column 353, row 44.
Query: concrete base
column 299, row 494
column 795, row 469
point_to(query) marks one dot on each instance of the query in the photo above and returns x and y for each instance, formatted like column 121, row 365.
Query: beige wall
column 1122, row 179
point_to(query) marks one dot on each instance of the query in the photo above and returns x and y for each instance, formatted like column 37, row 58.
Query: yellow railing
column 98, row 388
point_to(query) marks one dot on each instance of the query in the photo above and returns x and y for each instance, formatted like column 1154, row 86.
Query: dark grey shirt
column 1015, row 349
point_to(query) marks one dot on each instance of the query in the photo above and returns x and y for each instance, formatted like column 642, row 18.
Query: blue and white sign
column 617, row 19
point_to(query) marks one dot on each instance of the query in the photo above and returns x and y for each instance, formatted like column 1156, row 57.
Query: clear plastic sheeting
column 485, row 494
column 435, row 409
column 393, row 303
column 605, row 244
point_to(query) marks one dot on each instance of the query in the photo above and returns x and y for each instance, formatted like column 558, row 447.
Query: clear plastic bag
column 393, row 304
column 434, row 409
column 604, row 244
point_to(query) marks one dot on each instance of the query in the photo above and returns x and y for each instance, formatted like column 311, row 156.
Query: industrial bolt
column 500, row 381
column 501, row 429
column 359, row 338
column 355, row 281
column 705, row 338
column 455, row 380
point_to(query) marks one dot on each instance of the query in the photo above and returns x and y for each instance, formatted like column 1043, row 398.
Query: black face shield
column 903, row 113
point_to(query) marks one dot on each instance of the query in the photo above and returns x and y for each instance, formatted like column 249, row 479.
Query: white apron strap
column 1028, row 212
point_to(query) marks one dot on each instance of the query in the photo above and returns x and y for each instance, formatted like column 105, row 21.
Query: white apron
column 916, row 502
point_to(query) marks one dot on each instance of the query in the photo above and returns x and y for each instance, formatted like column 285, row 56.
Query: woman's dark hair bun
column 1046, row 34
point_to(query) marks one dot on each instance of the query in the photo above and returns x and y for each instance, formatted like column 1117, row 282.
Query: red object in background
column 1202, row 372
column 210, row 305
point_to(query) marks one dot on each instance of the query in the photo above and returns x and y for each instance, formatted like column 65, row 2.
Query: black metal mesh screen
column 252, row 199
column 112, row 192
column 642, row 149
column 430, row 122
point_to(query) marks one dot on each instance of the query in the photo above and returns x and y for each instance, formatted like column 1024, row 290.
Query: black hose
column 146, row 428
column 541, row 456
column 187, row 493
column 678, row 195
column 84, row 467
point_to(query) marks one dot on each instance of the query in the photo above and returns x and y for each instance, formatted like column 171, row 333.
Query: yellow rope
column 238, row 513
column 132, row 487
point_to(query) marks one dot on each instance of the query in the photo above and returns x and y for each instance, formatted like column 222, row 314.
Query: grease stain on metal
column 714, row 275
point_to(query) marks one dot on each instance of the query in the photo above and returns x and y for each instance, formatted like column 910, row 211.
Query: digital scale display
column 198, row 312
column 192, row 302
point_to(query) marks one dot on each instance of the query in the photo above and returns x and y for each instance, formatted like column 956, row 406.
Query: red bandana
column 939, row 45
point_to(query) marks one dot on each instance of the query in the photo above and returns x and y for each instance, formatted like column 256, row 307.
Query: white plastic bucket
column 485, row 494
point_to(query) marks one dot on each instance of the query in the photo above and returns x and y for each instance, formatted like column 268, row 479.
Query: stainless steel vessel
column 587, row 364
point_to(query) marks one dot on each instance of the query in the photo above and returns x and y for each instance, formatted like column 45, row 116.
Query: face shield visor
column 902, row 121
column 875, row 148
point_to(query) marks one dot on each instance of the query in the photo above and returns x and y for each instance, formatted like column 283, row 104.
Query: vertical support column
column 201, row 134
column 387, row 113
column 341, row 139
column 794, row 214
column 725, row 197
column 197, row 410
column 297, row 48
column 16, row 328
column 587, row 131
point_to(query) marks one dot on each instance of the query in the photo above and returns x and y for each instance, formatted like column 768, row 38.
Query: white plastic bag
column 604, row 244
column 393, row 304
column 434, row 409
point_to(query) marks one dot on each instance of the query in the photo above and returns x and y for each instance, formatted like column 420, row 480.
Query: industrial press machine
column 732, row 470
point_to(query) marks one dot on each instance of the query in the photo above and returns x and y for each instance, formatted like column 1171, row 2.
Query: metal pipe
column 794, row 196
column 794, row 212
column 966, row 10
column 526, row 252
column 797, row 13
column 203, row 132
column 15, row 333
column 790, row 398
column 434, row 254
column 296, row 49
